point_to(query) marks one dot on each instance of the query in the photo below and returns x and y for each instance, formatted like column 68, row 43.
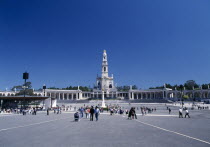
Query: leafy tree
column 52, row 88
column 134, row 87
column 20, row 87
column 27, row 92
column 190, row 84
column 205, row 86
column 126, row 88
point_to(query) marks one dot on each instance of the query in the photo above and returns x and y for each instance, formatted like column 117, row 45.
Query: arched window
column 110, row 85
column 99, row 85
column 104, row 68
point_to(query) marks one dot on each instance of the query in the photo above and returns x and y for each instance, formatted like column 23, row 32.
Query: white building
column 106, row 83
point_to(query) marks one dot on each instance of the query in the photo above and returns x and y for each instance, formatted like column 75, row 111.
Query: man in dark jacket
column 48, row 109
column 92, row 111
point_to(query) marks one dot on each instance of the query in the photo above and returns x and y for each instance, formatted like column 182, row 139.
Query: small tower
column 104, row 65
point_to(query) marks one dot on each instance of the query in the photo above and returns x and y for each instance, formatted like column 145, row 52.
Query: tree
column 190, row 84
column 20, row 87
column 27, row 92
column 28, row 84
column 52, row 88
column 134, row 87
column 205, row 86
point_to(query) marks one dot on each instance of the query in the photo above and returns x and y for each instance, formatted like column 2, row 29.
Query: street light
column 44, row 87
column 181, row 88
column 25, row 77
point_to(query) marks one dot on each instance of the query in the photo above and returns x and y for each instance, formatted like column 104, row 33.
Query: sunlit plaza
column 153, row 129
column 113, row 73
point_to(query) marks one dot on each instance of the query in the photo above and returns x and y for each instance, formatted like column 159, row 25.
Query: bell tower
column 104, row 66
column 105, row 82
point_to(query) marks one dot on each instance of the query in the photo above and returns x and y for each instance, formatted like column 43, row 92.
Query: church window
column 104, row 68
column 99, row 85
column 110, row 85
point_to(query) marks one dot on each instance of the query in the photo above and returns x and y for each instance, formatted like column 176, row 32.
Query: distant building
column 106, row 83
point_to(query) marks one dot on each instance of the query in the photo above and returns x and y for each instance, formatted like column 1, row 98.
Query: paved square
column 154, row 130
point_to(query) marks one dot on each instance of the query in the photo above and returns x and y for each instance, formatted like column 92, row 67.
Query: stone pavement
column 157, row 130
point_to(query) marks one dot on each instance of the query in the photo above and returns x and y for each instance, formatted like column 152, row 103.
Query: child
column 76, row 116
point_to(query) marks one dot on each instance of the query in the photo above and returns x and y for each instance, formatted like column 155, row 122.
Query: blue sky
column 148, row 42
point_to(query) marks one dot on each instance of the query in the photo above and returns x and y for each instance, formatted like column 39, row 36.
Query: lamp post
column 25, row 77
column 181, row 88
column 44, row 87
column 193, row 95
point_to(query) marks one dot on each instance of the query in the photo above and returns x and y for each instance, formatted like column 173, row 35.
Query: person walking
column 87, row 111
column 81, row 112
column 92, row 111
column 142, row 111
column 97, row 112
column 169, row 110
column 131, row 113
column 180, row 113
column 47, row 111
column 60, row 110
column 187, row 113
column 34, row 111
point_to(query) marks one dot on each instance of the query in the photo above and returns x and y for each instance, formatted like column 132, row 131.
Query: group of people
column 145, row 110
column 132, row 113
column 115, row 110
column 56, row 110
column 89, row 113
column 202, row 107
column 32, row 111
column 186, row 112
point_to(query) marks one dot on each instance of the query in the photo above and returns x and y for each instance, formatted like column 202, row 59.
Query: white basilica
column 105, row 84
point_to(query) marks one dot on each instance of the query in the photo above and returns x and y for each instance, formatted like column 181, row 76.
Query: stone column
column 103, row 102
column 81, row 95
column 129, row 95
column 72, row 96
column 163, row 95
column 67, row 96
column 76, row 96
